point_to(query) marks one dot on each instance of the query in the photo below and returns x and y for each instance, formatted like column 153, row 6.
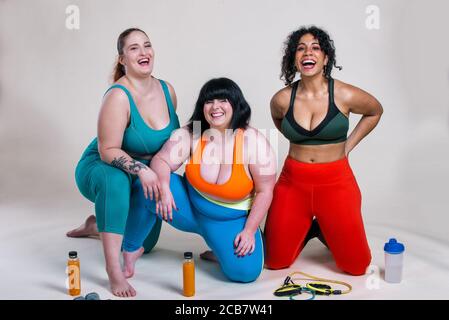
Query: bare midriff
column 317, row 153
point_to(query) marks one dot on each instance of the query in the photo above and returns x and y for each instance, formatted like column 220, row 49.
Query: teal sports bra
column 333, row 128
column 139, row 138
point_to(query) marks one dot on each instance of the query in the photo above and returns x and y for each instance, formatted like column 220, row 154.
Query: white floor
column 34, row 252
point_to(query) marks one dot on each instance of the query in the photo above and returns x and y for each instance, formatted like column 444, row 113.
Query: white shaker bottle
column 394, row 259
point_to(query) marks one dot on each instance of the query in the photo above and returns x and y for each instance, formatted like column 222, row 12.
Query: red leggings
column 329, row 192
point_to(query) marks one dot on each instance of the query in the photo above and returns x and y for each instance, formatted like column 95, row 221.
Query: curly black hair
column 288, row 70
column 222, row 88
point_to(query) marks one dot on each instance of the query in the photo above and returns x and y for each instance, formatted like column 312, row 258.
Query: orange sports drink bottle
column 73, row 271
column 188, row 275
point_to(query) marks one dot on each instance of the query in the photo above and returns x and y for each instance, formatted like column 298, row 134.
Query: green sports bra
column 333, row 128
column 139, row 138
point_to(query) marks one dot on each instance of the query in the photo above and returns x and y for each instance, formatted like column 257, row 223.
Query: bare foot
column 87, row 230
column 119, row 286
column 209, row 256
column 129, row 261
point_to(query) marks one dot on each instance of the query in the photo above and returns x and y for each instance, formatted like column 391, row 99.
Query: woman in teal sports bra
column 137, row 116
column 317, row 186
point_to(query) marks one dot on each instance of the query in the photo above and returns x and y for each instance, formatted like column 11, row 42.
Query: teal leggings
column 112, row 190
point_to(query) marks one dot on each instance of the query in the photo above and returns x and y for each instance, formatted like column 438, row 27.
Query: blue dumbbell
column 92, row 296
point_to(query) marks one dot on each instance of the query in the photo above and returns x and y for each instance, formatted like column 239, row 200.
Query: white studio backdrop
column 56, row 58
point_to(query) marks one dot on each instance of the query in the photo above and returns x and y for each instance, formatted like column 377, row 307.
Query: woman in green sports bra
column 137, row 117
column 317, row 186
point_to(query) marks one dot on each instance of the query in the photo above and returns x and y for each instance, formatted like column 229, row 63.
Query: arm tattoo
column 119, row 163
column 136, row 166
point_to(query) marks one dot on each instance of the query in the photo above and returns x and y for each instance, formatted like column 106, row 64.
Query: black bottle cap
column 188, row 255
column 73, row 254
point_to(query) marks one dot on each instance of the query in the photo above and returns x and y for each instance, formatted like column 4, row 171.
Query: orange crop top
column 239, row 185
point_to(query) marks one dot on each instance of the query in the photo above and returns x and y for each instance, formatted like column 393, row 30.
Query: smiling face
column 218, row 113
column 138, row 55
column 309, row 59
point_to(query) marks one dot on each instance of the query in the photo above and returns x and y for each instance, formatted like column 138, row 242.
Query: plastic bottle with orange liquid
column 188, row 275
column 73, row 271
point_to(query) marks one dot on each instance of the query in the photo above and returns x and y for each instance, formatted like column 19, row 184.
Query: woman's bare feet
column 129, row 261
column 87, row 229
column 209, row 256
column 119, row 286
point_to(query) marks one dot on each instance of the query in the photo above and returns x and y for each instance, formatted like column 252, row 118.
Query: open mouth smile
column 144, row 62
column 308, row 64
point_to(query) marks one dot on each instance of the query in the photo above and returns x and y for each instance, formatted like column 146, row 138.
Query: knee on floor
column 277, row 264
column 356, row 268
column 242, row 274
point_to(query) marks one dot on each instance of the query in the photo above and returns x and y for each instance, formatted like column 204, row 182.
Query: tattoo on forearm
column 136, row 166
column 119, row 163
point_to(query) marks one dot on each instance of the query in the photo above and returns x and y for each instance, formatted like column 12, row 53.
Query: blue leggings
column 218, row 226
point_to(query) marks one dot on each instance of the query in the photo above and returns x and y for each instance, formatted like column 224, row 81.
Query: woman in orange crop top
column 227, row 187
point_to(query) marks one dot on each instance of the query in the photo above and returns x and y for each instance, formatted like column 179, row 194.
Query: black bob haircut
column 222, row 88
column 288, row 70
